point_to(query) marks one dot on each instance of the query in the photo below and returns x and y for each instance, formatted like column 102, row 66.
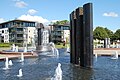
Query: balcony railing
column 19, row 38
column 56, row 38
column 19, row 32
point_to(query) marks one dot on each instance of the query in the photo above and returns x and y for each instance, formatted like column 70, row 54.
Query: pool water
column 43, row 68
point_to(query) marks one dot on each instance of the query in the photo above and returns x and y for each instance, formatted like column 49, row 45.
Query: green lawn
column 2, row 55
column 61, row 46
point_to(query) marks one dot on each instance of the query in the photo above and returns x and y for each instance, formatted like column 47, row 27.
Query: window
column 2, row 31
column 6, row 36
column 5, row 31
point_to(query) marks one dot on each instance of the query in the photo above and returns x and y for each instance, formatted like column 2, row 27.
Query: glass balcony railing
column 20, row 32
column 19, row 38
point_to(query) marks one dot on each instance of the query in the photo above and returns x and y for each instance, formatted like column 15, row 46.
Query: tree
column 100, row 33
column 63, row 22
column 117, row 34
column 110, row 33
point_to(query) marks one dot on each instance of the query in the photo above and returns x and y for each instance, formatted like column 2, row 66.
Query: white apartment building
column 31, row 35
column 60, row 33
column 45, row 37
column 4, row 34
column 66, row 35
column 18, row 31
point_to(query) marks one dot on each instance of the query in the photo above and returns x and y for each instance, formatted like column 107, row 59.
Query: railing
column 19, row 32
column 19, row 38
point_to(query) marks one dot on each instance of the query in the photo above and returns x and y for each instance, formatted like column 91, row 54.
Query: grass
column 61, row 46
column 2, row 55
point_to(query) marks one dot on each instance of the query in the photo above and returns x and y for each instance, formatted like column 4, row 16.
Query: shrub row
column 4, row 44
column 10, row 44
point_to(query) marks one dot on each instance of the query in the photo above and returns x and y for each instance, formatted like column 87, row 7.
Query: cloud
column 54, row 21
column 2, row 20
column 20, row 4
column 32, row 11
column 111, row 14
column 34, row 18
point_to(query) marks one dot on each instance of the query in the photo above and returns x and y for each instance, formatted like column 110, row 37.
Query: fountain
column 96, row 55
column 25, row 49
column 10, row 62
column 6, row 64
column 13, row 47
column 22, row 57
column 115, row 55
column 44, row 48
column 43, row 40
column 16, row 49
column 45, row 64
column 20, row 73
column 68, row 50
column 58, row 73
column 54, row 50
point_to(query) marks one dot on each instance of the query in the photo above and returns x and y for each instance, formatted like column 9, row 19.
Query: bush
column 10, row 44
column 58, row 43
column 5, row 45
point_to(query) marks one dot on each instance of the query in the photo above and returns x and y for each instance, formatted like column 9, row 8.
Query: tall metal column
column 39, row 36
column 71, row 50
column 81, row 36
column 88, row 35
column 72, row 37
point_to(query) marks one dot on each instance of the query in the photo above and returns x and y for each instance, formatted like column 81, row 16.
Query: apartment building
column 45, row 36
column 4, row 35
column 60, row 33
column 18, row 31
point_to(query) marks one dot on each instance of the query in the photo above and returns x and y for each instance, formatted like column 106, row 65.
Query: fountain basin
column 43, row 48
column 13, row 55
column 43, row 68
column 106, row 51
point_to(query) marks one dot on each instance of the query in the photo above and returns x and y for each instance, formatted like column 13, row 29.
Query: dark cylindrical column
column 88, row 35
column 39, row 36
column 72, row 37
column 79, row 35
column 105, row 43
column 71, row 56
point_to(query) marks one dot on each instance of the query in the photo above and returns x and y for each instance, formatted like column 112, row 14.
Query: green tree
column 117, row 35
column 100, row 33
column 109, row 32
column 63, row 22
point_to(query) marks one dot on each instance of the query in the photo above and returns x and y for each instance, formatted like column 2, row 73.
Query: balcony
column 57, row 39
column 19, row 38
column 20, row 32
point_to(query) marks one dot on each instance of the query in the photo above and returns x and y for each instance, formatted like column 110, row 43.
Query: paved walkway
column 107, row 51
column 12, row 56
column 8, row 48
column 99, row 52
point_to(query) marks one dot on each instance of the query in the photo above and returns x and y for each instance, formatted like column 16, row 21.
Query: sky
column 106, row 13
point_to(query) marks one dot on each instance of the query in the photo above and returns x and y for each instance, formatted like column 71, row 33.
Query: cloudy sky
column 106, row 12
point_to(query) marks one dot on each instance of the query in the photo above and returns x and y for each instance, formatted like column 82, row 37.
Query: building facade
column 45, row 37
column 60, row 33
column 18, row 31
column 4, row 35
